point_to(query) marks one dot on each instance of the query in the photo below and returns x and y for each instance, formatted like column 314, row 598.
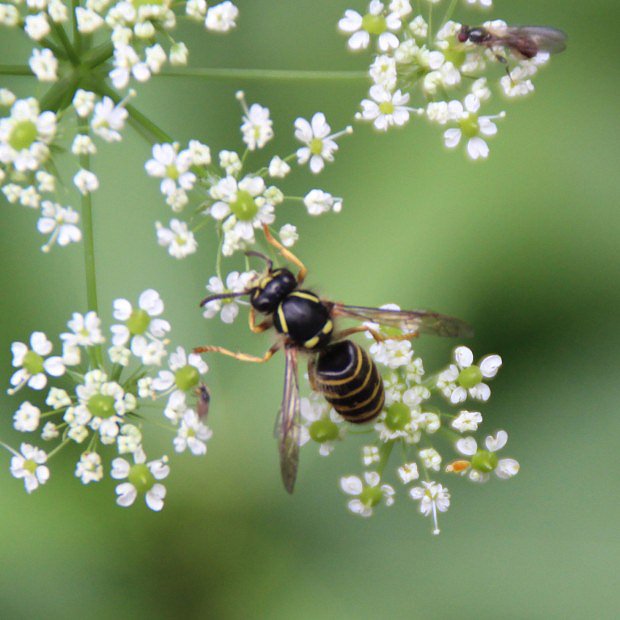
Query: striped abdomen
column 348, row 378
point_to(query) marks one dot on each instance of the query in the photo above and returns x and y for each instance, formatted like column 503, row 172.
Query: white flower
column 139, row 322
column 184, row 374
column 366, row 495
column 192, row 434
column 172, row 167
column 227, row 307
column 84, row 102
column 178, row 54
column 86, row 182
column 102, row 405
column 29, row 465
column 318, row 202
column 108, row 120
column 25, row 135
column 433, row 497
column 471, row 126
column 383, row 71
column 278, row 168
column 83, row 145
column 483, row 462
column 408, row 472
column 467, row 421
column 33, row 363
column 484, row 4
column 26, row 418
column 129, row 439
column 143, row 477
column 257, row 127
column 50, row 431
column 320, row 146
column 463, row 377
column 57, row 399
column 375, row 22
column 36, row 26
column 89, row 468
column 179, row 240
column 88, row 20
column 370, row 455
column 321, row 424
column 60, row 223
column 392, row 353
column 244, row 205
column 86, row 330
column 44, row 65
column 230, row 161
column 222, row 17
column 385, row 109
column 176, row 406
column 431, row 459
column 288, row 235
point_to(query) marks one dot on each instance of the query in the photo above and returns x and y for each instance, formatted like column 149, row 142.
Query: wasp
column 338, row 368
column 525, row 41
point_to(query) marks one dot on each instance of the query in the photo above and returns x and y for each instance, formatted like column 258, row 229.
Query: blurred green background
column 524, row 246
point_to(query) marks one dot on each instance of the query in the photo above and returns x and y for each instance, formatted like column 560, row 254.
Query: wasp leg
column 244, row 357
column 261, row 327
column 289, row 256
column 375, row 334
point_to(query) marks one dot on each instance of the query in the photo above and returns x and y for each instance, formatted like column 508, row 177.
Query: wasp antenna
column 261, row 256
column 206, row 300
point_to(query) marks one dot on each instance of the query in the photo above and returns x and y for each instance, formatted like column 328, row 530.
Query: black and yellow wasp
column 338, row 368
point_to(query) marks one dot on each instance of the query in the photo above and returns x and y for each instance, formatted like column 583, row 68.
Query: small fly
column 524, row 41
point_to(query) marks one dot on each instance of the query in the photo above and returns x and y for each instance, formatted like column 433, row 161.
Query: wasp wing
column 419, row 321
column 288, row 425
column 547, row 39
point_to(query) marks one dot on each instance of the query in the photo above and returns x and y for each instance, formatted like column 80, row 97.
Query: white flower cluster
column 27, row 169
column 411, row 418
column 108, row 403
column 239, row 201
column 445, row 77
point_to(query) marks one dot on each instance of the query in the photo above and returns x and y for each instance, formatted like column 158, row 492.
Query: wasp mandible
column 339, row 369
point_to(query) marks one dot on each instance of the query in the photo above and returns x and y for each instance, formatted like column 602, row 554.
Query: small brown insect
column 524, row 41
column 204, row 400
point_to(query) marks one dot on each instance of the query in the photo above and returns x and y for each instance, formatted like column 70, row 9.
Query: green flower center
column 470, row 126
column 371, row 496
column 316, row 146
column 323, row 430
column 101, row 405
column 141, row 477
column 484, row 461
column 23, row 135
column 469, row 377
column 186, row 377
column 244, row 207
column 386, row 107
column 138, row 3
column 397, row 417
column 374, row 24
column 33, row 363
column 138, row 322
column 456, row 57
column 172, row 172
column 30, row 465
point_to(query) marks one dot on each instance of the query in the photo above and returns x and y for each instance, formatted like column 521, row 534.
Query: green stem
column 263, row 74
column 15, row 70
column 89, row 239
column 77, row 39
column 59, row 31
column 98, row 55
column 385, row 450
column 58, row 51
column 58, row 448
column 152, row 132
column 449, row 12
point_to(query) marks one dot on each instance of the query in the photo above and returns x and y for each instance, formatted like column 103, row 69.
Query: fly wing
column 547, row 39
column 288, row 425
column 419, row 321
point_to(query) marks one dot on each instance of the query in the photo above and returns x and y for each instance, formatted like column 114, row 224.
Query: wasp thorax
column 272, row 289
